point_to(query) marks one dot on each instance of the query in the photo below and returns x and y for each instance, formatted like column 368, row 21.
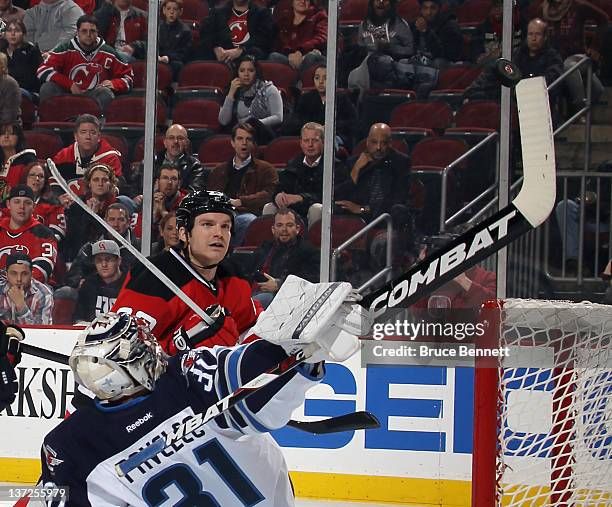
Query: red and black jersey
column 12, row 169
column 72, row 166
column 145, row 296
column 69, row 64
column 51, row 215
column 33, row 239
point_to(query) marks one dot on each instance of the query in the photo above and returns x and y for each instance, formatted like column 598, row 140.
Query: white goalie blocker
column 322, row 319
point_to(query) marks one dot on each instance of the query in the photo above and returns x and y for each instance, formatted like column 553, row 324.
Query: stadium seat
column 282, row 149
column 435, row 153
column 197, row 114
column 342, row 227
column 215, row 150
column 120, row 144
column 472, row 14
column 452, row 82
column 306, row 77
column 164, row 75
column 476, row 117
column 352, row 12
column 409, row 9
column 139, row 148
column 46, row 143
column 419, row 119
column 63, row 309
column 194, row 11
column 399, row 144
column 258, row 232
column 126, row 115
column 283, row 77
column 28, row 112
column 204, row 79
column 376, row 106
column 58, row 113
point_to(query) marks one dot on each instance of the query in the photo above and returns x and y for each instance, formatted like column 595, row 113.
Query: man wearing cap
column 99, row 291
column 24, row 300
column 19, row 232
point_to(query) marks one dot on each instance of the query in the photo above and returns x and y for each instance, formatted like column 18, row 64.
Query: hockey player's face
column 19, row 275
column 87, row 137
column 87, row 34
column 20, row 209
column 209, row 238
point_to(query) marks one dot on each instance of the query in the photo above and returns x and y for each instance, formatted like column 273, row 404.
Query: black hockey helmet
column 203, row 201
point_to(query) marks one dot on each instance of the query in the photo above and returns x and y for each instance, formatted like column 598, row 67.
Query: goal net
column 543, row 415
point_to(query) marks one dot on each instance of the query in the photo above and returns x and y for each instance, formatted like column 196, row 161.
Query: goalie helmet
column 203, row 201
column 117, row 356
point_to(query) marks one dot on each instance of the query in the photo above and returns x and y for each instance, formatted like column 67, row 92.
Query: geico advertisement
column 425, row 415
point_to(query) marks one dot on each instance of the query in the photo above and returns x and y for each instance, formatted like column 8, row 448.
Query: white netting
column 555, row 404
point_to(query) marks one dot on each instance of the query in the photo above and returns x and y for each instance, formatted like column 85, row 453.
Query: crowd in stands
column 251, row 125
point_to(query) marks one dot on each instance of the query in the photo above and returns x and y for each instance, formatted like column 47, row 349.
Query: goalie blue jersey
column 231, row 461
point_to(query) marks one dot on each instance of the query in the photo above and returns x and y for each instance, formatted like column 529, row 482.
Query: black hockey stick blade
column 529, row 209
column 44, row 353
column 348, row 422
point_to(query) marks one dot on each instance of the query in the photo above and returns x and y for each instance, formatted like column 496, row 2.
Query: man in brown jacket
column 248, row 182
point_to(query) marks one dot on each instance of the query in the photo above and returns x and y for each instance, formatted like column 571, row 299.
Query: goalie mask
column 117, row 356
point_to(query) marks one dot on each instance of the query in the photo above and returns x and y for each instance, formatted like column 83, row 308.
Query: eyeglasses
column 14, row 30
column 36, row 176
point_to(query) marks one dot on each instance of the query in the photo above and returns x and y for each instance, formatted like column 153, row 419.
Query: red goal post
column 543, row 415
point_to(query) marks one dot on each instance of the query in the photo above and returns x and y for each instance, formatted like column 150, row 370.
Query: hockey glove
column 319, row 318
column 191, row 336
column 10, row 355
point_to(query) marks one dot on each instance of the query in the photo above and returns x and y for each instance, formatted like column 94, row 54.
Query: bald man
column 376, row 182
column 176, row 153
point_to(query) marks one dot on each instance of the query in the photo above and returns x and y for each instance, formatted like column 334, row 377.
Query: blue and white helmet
column 117, row 356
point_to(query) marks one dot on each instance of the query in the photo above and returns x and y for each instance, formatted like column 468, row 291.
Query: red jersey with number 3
column 145, row 296
column 36, row 241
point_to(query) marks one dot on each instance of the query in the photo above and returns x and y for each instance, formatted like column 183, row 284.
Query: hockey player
column 205, row 221
column 10, row 355
column 143, row 396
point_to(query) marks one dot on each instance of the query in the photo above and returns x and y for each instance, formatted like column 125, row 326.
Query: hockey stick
column 44, row 353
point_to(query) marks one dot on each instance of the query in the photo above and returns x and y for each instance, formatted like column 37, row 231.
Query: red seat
column 46, row 143
column 139, row 149
column 216, row 150
column 129, row 112
column 197, row 114
column 60, row 112
column 164, row 75
column 399, row 144
column 194, row 10
column 473, row 13
column 436, row 153
column 424, row 117
column 283, row 76
column 352, row 12
column 409, row 9
column 452, row 82
column 342, row 228
column 119, row 143
column 307, row 78
column 282, row 149
column 204, row 76
column 28, row 112
column 258, row 232
column 477, row 116
column 63, row 309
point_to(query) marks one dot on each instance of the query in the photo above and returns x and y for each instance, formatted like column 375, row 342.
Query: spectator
column 85, row 65
column 51, row 23
column 10, row 95
column 387, row 42
column 377, row 182
column 24, row 58
column 168, row 234
column 100, row 190
column 124, row 27
column 14, row 157
column 246, row 180
column 88, row 148
column 175, row 153
column 250, row 99
column 174, row 37
column 19, row 231
column 166, row 198
column 116, row 216
column 10, row 12
column 238, row 28
column 99, row 291
column 535, row 57
column 288, row 254
column 301, row 183
column 24, row 300
column 566, row 24
column 302, row 36
column 311, row 108
column 47, row 209
column 437, row 36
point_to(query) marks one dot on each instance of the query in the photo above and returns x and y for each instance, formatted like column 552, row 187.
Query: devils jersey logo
column 238, row 25
column 86, row 75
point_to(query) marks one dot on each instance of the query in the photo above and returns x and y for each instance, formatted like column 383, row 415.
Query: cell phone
column 260, row 277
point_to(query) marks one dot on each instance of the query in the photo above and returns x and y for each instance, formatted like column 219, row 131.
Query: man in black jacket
column 288, row 254
column 437, row 35
column 235, row 29
column 301, row 183
column 193, row 174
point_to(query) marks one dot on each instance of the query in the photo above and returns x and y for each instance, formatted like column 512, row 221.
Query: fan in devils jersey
column 205, row 220
column 85, row 65
column 141, row 395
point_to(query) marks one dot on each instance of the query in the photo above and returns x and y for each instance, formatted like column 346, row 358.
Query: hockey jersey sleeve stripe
column 234, row 417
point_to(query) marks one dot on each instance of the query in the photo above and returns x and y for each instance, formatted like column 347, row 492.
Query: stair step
column 575, row 134
column 571, row 155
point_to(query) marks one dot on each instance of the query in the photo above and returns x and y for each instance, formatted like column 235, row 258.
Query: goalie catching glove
column 10, row 355
column 319, row 318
